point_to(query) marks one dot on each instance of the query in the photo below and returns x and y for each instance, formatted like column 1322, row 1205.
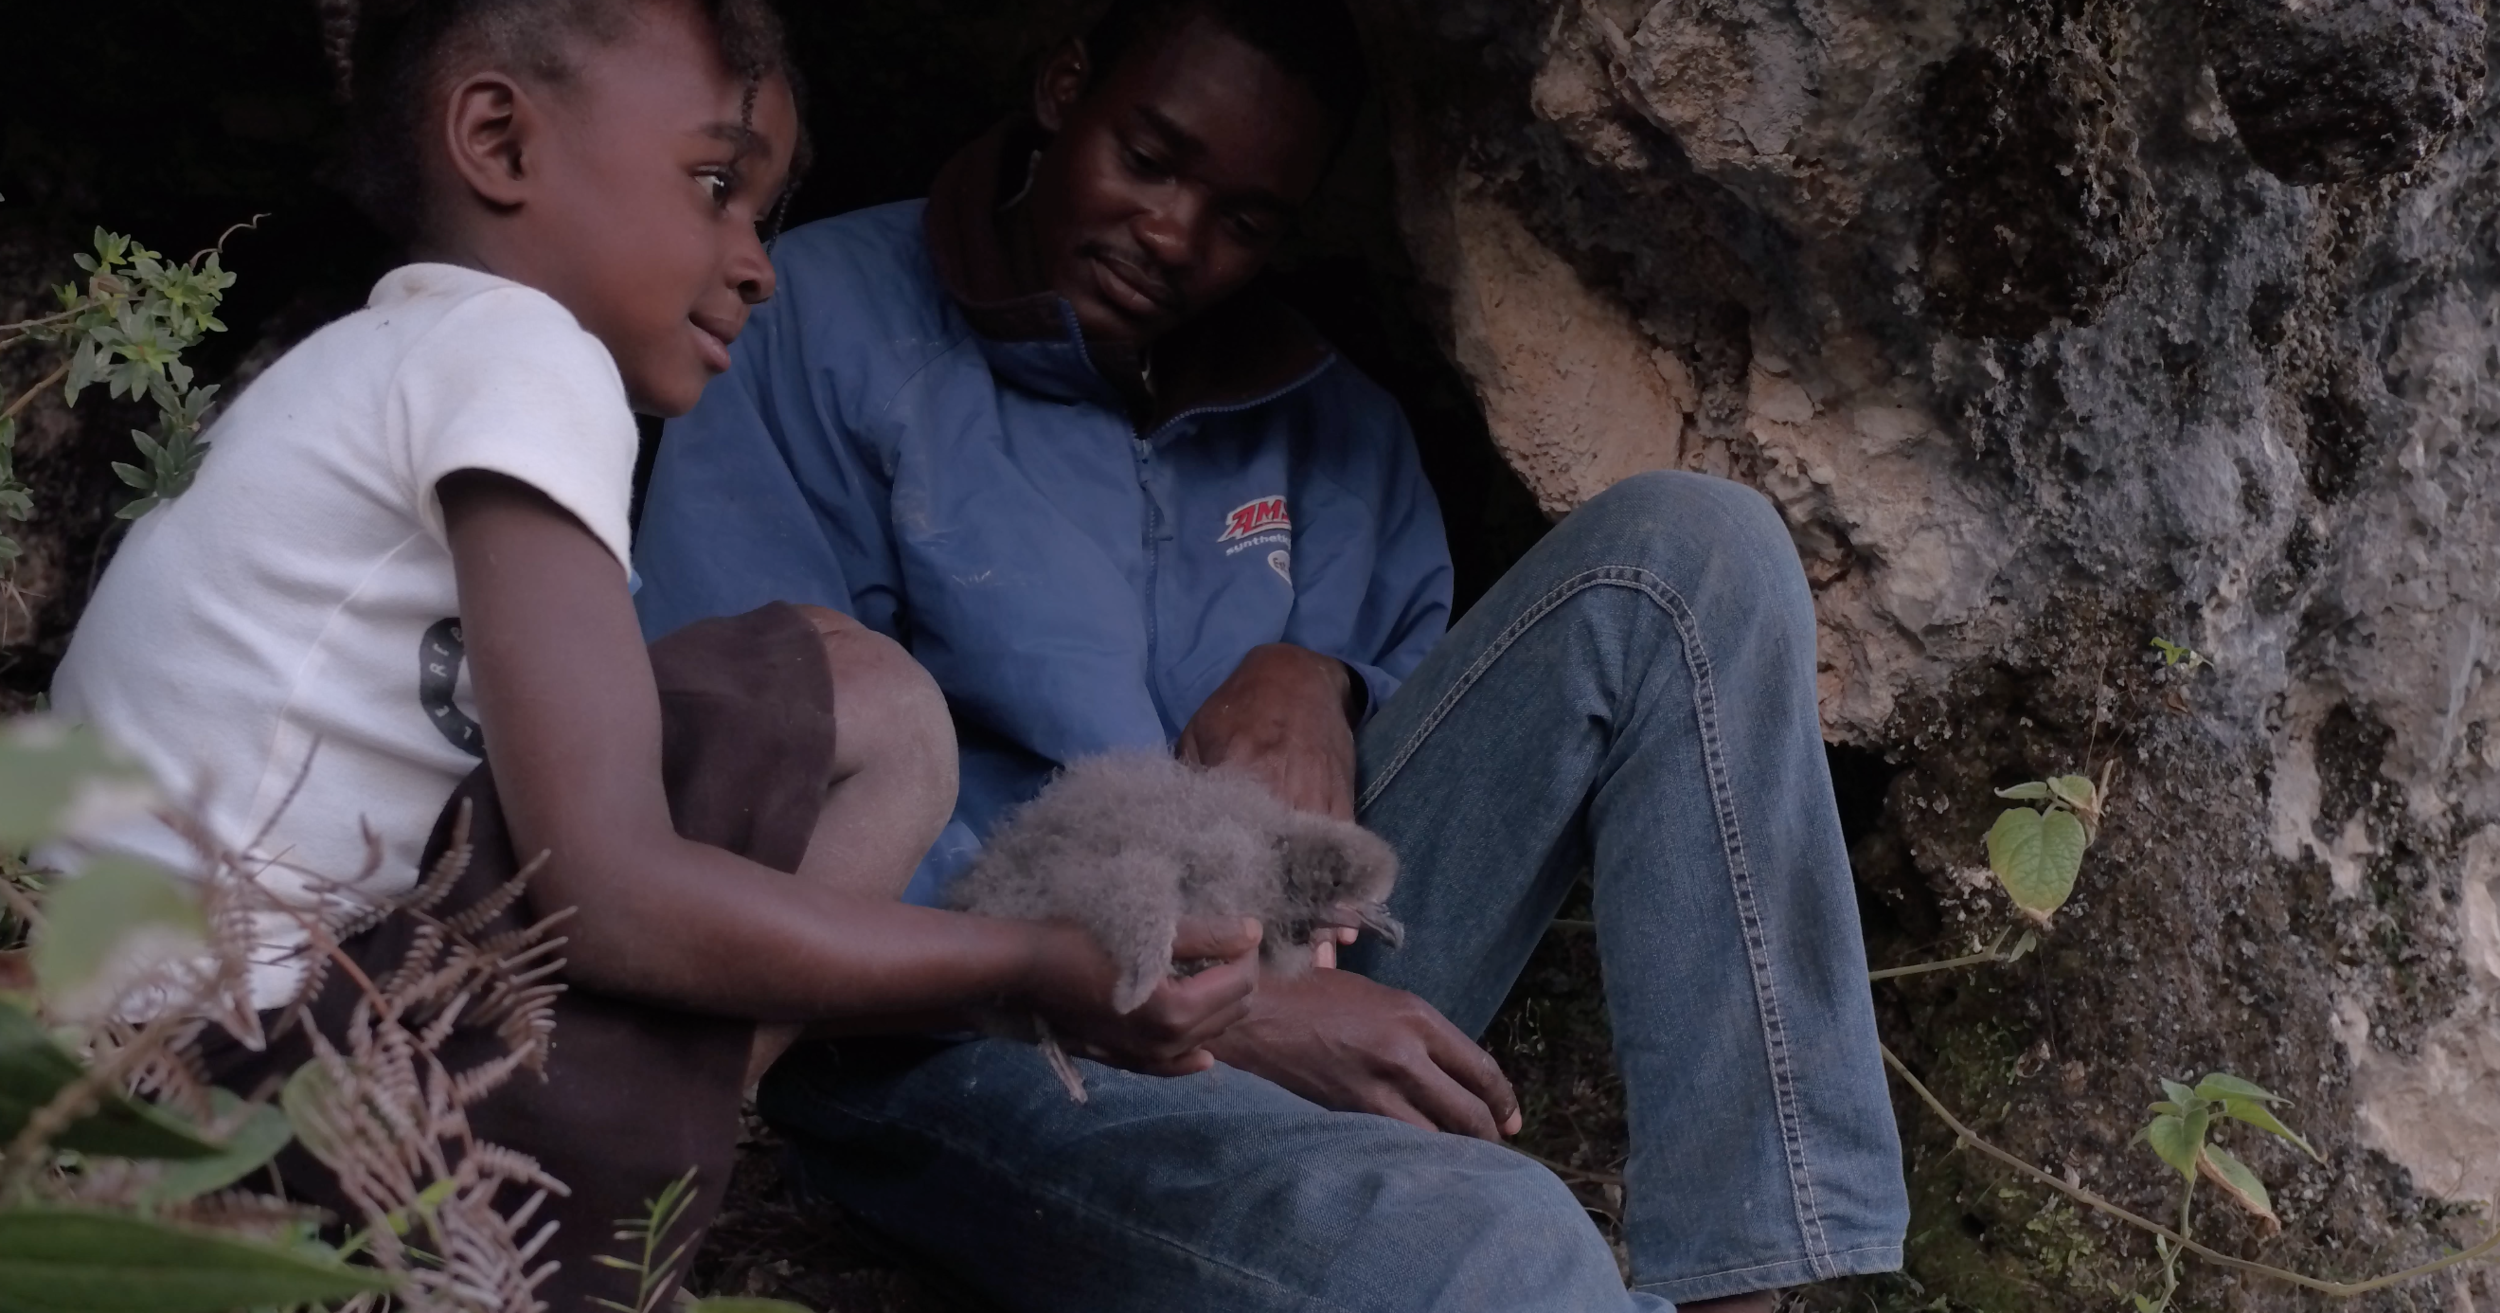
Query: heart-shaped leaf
column 2037, row 856
column 2179, row 1138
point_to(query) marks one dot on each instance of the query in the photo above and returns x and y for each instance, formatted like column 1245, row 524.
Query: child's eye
column 718, row 183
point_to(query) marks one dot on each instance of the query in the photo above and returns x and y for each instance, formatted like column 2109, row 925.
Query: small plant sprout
column 656, row 1274
column 2181, row 1130
column 2037, row 853
column 2180, row 654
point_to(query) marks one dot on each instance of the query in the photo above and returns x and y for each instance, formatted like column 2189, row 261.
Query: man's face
column 1170, row 178
column 652, row 188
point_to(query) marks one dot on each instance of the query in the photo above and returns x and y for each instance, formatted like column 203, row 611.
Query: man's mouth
column 1131, row 289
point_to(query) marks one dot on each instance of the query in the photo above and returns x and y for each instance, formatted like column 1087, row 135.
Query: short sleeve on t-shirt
column 509, row 383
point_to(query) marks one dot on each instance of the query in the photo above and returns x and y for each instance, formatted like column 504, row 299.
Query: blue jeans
column 1637, row 697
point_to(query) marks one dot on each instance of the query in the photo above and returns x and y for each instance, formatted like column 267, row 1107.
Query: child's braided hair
column 388, row 56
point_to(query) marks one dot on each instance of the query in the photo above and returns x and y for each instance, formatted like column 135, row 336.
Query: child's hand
column 1167, row 1034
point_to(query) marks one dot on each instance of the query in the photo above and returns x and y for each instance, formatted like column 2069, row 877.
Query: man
column 1046, row 431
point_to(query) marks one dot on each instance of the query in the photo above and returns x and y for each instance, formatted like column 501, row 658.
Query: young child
column 400, row 579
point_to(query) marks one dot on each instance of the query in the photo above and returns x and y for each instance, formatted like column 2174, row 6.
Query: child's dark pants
column 634, row 1094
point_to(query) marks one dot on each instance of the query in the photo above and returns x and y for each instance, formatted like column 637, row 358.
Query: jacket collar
column 1246, row 350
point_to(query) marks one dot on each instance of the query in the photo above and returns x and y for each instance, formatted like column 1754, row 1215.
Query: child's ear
column 490, row 128
column 1060, row 84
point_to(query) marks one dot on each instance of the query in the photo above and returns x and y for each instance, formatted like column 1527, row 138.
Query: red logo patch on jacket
column 1255, row 517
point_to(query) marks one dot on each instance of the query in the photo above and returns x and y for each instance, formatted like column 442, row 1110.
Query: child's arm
column 572, row 720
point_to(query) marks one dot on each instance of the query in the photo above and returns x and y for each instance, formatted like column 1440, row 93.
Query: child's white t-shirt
column 281, row 644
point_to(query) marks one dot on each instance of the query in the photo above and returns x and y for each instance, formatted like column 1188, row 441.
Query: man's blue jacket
column 904, row 440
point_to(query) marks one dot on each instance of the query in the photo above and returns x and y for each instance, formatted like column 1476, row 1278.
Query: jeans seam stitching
column 1705, row 704
column 1749, row 917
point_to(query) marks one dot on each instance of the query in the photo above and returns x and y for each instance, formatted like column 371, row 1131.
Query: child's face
column 651, row 182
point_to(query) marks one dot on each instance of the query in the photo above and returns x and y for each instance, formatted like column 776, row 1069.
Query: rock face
column 2054, row 326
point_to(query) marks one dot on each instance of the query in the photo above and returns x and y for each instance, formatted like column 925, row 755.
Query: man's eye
column 1145, row 165
column 1249, row 229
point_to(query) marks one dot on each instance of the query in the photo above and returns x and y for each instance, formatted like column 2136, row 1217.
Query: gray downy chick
column 1126, row 845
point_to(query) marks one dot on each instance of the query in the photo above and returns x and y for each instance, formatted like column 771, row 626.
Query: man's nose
column 1169, row 232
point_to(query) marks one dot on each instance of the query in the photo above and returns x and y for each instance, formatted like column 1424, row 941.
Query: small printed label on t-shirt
column 439, row 655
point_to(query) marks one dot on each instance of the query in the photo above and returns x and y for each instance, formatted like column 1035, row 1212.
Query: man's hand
column 1346, row 1043
column 1281, row 718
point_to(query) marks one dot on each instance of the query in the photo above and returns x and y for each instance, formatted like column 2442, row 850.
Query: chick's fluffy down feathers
column 1128, row 844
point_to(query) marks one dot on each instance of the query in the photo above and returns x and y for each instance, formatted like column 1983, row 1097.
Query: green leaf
column 2037, row 856
column 263, row 1132
column 132, row 475
column 2220, row 1167
column 2035, row 791
column 2219, row 1086
column 2260, row 1116
column 2180, row 1094
column 34, row 1067
column 65, row 1261
column 106, row 926
column 2075, row 791
column 2179, row 1139
column 53, row 774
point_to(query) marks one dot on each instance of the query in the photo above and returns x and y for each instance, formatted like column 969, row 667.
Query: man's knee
column 1723, row 545
column 1675, row 504
column 1515, row 1236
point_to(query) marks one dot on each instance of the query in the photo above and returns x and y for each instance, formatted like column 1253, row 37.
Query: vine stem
column 27, row 398
column 1975, row 959
column 26, row 328
column 2336, row 1289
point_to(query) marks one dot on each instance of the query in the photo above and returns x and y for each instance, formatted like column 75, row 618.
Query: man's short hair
column 1314, row 41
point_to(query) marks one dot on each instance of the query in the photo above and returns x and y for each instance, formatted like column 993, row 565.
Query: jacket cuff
column 1370, row 687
